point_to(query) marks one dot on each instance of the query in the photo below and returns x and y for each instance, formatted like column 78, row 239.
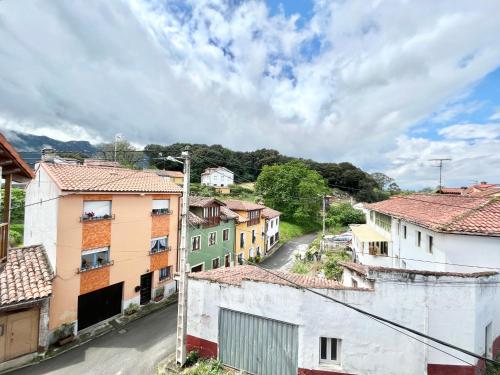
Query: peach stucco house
column 110, row 234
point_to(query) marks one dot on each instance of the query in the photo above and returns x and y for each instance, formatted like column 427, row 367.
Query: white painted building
column 217, row 177
column 272, row 226
column 430, row 232
column 260, row 323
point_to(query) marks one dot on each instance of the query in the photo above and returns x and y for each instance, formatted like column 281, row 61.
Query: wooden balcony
column 4, row 240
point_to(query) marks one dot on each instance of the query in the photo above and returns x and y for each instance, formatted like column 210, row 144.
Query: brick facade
column 159, row 260
column 96, row 234
column 94, row 280
column 160, row 225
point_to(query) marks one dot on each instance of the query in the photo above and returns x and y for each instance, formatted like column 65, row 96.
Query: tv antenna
column 440, row 166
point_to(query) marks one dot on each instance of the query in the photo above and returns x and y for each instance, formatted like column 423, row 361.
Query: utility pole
column 324, row 215
column 440, row 166
column 183, row 264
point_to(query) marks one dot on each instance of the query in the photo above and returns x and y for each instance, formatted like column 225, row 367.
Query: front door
column 146, row 281
column 19, row 334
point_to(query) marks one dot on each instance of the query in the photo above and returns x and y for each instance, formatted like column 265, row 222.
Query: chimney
column 48, row 154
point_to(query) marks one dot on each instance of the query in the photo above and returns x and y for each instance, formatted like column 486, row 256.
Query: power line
column 380, row 318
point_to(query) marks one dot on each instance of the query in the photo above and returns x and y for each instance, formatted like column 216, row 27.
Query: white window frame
column 209, row 236
column 202, row 266
column 169, row 277
column 228, row 234
column 218, row 259
column 156, row 239
column 160, row 206
column 94, row 251
column 104, row 209
column 199, row 243
column 328, row 360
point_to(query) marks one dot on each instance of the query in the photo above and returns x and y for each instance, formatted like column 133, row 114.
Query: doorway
column 146, row 283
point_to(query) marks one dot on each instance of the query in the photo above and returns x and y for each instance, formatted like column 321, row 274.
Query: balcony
column 211, row 221
column 254, row 221
column 4, row 238
column 95, row 266
column 159, row 250
column 161, row 212
column 87, row 217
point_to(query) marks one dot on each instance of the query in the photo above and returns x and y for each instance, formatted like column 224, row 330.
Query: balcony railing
column 157, row 251
column 86, row 218
column 4, row 240
column 96, row 266
column 212, row 221
column 161, row 211
column 254, row 221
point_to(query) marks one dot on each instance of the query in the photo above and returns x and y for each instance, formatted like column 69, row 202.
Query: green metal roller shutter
column 257, row 345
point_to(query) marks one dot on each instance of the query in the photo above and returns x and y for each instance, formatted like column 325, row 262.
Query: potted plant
column 65, row 333
column 159, row 293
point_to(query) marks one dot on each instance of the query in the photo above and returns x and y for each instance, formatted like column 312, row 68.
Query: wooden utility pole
column 183, row 264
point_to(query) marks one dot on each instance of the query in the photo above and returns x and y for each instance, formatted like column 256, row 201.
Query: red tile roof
column 269, row 213
column 27, row 276
column 21, row 171
column 163, row 173
column 235, row 275
column 444, row 213
column 195, row 201
column 239, row 205
column 448, row 190
column 366, row 269
column 71, row 177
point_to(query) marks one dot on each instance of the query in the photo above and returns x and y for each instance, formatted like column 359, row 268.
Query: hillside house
column 272, row 225
column 250, row 229
column 212, row 234
column 430, row 231
column 25, row 277
column 110, row 235
column 237, row 315
column 217, row 177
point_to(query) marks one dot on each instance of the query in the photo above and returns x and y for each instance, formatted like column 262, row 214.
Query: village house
column 25, row 277
column 250, row 229
column 211, row 233
column 272, row 225
column 217, row 177
column 170, row 176
column 430, row 232
column 110, row 234
column 237, row 315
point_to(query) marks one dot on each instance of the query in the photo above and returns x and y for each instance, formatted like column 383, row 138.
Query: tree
column 344, row 214
column 126, row 154
column 394, row 188
column 293, row 189
column 383, row 181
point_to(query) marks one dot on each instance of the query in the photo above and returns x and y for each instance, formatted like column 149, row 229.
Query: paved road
column 283, row 257
column 147, row 341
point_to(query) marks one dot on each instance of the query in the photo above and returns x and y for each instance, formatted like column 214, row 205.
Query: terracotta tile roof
column 27, row 276
column 235, row 275
column 21, row 171
column 226, row 213
column 195, row 201
column 366, row 269
column 239, row 205
column 488, row 192
column 195, row 219
column 448, row 190
column 444, row 213
column 269, row 213
column 163, row 173
column 71, row 177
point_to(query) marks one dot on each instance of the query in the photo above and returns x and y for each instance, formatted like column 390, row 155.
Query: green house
column 211, row 234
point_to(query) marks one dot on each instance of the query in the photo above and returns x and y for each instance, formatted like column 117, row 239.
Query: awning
column 365, row 233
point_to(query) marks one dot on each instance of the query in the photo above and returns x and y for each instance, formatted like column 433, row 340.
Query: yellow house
column 250, row 229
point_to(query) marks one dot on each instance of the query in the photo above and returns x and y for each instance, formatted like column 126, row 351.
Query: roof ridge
column 466, row 214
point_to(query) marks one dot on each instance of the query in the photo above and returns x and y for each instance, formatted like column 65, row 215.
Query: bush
column 344, row 214
column 301, row 267
column 332, row 269
column 257, row 259
column 207, row 367
column 192, row 358
column 15, row 238
column 64, row 331
column 132, row 309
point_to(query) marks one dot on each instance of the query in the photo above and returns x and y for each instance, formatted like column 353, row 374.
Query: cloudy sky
column 386, row 85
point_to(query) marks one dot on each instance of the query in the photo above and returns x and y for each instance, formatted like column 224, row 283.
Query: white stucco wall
column 40, row 220
column 458, row 249
column 271, row 231
column 217, row 178
column 450, row 313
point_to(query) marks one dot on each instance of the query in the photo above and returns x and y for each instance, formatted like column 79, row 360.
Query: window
column 166, row 273
column 195, row 243
column 95, row 258
column 329, row 350
column 96, row 210
column 404, row 232
column 240, row 259
column 254, row 238
column 254, row 217
column 383, row 221
column 276, row 237
column 161, row 207
column 242, row 240
column 258, row 251
column 158, row 245
column 212, row 238
column 419, row 238
column 430, row 241
column 225, row 235
column 215, row 263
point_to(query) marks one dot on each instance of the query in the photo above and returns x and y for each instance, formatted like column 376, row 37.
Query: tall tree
column 293, row 189
column 126, row 154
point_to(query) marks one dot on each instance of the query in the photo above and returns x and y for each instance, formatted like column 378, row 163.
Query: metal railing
column 157, row 251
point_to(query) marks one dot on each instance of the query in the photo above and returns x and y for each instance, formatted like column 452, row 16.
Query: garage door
column 257, row 345
column 99, row 305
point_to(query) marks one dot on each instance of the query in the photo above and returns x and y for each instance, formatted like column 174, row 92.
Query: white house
column 260, row 323
column 272, row 226
column 217, row 177
column 430, row 232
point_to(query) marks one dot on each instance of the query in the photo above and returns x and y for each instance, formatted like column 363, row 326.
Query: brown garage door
column 19, row 333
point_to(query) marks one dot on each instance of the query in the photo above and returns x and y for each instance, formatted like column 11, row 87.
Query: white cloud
column 471, row 131
column 213, row 72
column 496, row 115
